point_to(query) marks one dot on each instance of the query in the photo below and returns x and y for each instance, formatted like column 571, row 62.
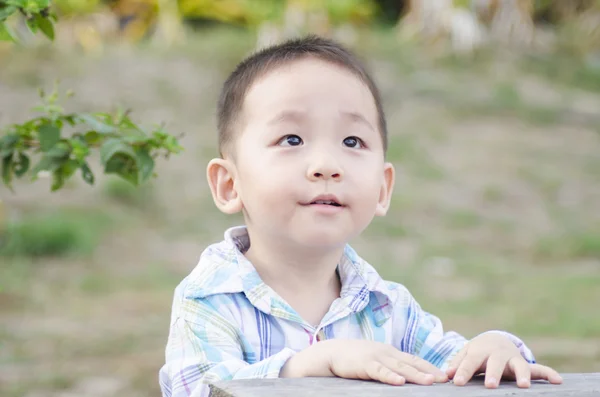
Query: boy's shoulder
column 218, row 270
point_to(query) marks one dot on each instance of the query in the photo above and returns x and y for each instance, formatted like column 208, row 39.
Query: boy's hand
column 360, row 359
column 499, row 358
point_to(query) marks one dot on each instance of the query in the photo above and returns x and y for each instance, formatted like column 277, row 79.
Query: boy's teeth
column 326, row 202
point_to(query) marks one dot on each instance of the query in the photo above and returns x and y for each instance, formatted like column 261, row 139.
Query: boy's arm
column 207, row 348
column 425, row 337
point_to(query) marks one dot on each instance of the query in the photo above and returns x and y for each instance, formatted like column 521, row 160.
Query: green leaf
column 21, row 166
column 126, row 123
column 86, row 174
column 6, row 33
column 124, row 166
column 70, row 118
column 7, row 11
column 80, row 147
column 53, row 159
column 60, row 150
column 43, row 4
column 63, row 173
column 92, row 137
column 145, row 164
column 58, row 180
column 46, row 26
column 114, row 146
column 32, row 25
column 8, row 144
column 69, row 168
column 16, row 3
column 136, row 139
column 49, row 136
column 45, row 163
column 96, row 124
column 7, row 163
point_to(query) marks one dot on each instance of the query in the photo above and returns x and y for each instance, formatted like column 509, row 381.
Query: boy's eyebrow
column 296, row 116
column 357, row 117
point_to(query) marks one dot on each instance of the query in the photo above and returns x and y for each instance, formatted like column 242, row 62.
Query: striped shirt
column 226, row 323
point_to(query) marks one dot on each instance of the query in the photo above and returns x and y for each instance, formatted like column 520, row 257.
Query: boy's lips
column 326, row 200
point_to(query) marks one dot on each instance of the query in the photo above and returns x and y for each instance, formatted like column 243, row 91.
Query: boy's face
column 309, row 163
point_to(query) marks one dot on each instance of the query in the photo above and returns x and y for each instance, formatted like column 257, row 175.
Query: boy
column 302, row 137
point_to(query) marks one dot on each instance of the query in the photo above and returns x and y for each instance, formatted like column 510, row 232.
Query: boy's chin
column 322, row 239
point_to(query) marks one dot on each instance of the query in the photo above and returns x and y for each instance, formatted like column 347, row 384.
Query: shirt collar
column 223, row 268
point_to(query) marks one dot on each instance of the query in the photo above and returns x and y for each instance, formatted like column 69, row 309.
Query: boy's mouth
column 325, row 200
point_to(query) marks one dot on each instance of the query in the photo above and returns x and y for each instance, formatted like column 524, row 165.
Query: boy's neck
column 306, row 279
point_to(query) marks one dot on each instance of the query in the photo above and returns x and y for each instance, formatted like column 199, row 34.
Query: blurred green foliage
column 58, row 233
column 37, row 14
column 127, row 194
column 126, row 149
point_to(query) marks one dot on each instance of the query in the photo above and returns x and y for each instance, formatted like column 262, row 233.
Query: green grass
column 56, row 382
column 506, row 101
column 564, row 70
column 493, row 194
column 410, row 154
column 125, row 193
column 58, row 233
column 581, row 244
column 528, row 303
column 463, row 219
column 15, row 275
column 152, row 277
column 388, row 227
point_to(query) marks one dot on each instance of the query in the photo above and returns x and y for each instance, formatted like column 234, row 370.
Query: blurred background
column 494, row 119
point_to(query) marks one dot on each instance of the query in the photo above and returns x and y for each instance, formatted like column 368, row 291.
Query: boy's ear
column 387, row 187
column 220, row 174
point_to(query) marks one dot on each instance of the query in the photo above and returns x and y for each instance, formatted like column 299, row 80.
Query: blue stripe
column 359, row 298
column 437, row 357
column 263, row 327
column 261, row 335
column 407, row 344
column 267, row 328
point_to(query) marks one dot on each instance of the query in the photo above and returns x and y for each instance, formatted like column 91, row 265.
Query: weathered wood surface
column 584, row 385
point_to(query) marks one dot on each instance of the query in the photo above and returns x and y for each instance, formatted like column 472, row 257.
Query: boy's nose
column 324, row 169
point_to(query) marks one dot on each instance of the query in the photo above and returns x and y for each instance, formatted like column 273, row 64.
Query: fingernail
column 493, row 382
column 398, row 379
column 459, row 379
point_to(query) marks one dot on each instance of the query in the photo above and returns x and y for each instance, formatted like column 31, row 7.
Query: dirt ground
column 495, row 221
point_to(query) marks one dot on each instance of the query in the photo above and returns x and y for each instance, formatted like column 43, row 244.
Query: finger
column 410, row 373
column 468, row 367
column 545, row 373
column 494, row 369
column 421, row 365
column 451, row 371
column 379, row 372
column 521, row 371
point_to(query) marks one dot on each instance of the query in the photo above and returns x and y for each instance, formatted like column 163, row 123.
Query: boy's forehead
column 294, row 87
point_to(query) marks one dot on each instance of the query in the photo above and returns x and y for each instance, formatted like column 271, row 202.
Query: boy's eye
column 290, row 140
column 353, row 142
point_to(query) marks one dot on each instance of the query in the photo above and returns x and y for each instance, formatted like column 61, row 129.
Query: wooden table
column 584, row 385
